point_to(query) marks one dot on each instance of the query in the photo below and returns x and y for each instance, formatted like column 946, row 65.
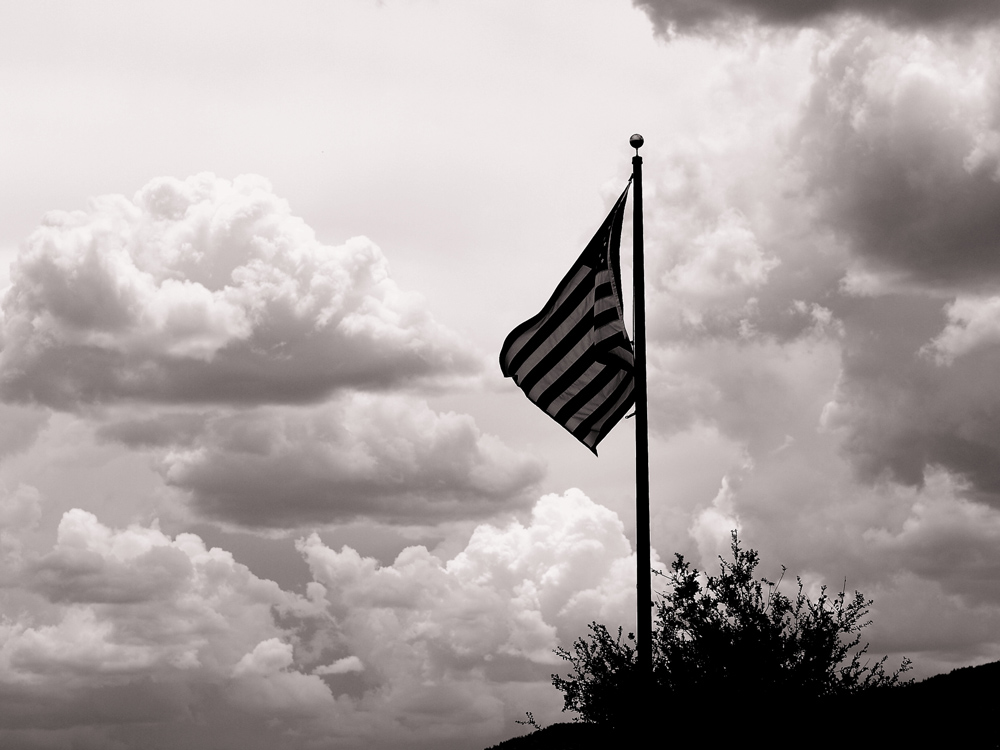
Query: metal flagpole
column 644, row 587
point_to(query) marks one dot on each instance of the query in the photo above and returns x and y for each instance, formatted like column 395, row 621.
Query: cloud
column 732, row 238
column 500, row 606
column 671, row 17
column 947, row 539
column 845, row 390
column 265, row 680
column 113, row 611
column 858, row 199
column 388, row 458
column 341, row 666
column 973, row 323
column 756, row 390
column 899, row 143
column 713, row 526
column 902, row 414
column 206, row 290
column 423, row 652
column 20, row 512
column 19, row 426
column 719, row 269
column 162, row 430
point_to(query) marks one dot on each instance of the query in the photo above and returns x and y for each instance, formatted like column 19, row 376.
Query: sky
column 262, row 483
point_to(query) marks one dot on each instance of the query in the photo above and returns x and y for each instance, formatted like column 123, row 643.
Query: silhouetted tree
column 729, row 643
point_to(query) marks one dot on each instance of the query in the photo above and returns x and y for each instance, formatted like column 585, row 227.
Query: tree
column 732, row 642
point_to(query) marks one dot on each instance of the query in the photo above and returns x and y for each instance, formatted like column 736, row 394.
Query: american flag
column 574, row 359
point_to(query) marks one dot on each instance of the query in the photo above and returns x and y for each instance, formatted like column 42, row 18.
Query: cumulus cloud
column 421, row 652
column 715, row 275
column 265, row 680
column 130, row 613
column 732, row 239
column 712, row 527
column 341, row 666
column 678, row 16
column 116, row 578
column 973, row 322
column 206, row 290
column 499, row 607
column 388, row 458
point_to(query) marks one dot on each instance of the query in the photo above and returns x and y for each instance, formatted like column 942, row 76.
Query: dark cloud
column 863, row 232
column 900, row 148
column 208, row 291
column 823, row 291
column 900, row 141
column 160, row 431
column 678, row 16
column 904, row 413
column 51, row 707
column 83, row 575
column 386, row 458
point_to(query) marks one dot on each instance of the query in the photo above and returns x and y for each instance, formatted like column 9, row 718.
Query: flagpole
column 644, row 588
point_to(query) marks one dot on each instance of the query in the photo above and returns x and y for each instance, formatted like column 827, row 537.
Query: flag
column 574, row 359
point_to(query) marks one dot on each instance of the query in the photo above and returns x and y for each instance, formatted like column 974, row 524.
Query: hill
column 953, row 709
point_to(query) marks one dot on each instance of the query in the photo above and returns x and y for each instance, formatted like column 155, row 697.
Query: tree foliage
column 601, row 687
column 733, row 638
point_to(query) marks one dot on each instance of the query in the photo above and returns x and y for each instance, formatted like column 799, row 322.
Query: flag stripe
column 573, row 359
column 579, row 407
column 563, row 308
column 573, row 340
column 564, row 387
column 605, row 318
column 593, row 423
column 605, row 426
column 573, row 329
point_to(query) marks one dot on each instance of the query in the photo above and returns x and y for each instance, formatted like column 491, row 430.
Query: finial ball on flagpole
column 635, row 141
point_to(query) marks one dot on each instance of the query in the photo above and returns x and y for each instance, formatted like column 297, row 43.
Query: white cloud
column 713, row 526
column 264, row 680
column 420, row 651
column 507, row 596
column 135, row 600
column 207, row 290
column 723, row 263
column 973, row 322
column 341, row 666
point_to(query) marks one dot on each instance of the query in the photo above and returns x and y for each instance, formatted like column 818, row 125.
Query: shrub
column 729, row 642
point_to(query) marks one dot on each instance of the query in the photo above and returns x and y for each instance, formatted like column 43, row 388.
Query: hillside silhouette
column 954, row 709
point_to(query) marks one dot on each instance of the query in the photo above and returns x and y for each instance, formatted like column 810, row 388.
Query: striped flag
column 574, row 359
